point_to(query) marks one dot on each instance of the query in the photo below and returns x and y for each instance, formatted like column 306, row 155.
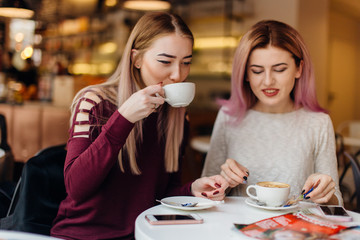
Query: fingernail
column 204, row 194
column 244, row 182
column 247, row 173
column 307, row 197
column 245, row 177
column 217, row 185
column 216, row 192
column 303, row 191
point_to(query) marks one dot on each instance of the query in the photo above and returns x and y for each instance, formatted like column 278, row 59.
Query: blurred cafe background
column 52, row 48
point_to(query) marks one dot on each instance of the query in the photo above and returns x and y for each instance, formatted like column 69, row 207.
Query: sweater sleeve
column 89, row 162
column 217, row 153
column 325, row 155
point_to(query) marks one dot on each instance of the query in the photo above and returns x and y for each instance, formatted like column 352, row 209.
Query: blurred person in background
column 126, row 144
column 12, row 89
column 29, row 77
column 11, row 72
column 272, row 128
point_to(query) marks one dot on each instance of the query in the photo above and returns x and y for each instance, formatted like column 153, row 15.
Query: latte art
column 273, row 184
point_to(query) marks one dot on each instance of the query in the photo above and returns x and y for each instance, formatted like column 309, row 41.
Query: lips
column 270, row 92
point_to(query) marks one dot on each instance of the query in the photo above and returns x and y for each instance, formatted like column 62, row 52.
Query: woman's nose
column 269, row 79
column 175, row 75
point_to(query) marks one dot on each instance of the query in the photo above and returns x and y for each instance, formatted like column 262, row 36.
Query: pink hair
column 279, row 35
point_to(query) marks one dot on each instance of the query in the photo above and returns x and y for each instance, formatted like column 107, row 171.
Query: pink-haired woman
column 272, row 127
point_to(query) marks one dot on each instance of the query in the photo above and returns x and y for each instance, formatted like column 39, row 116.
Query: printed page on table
column 292, row 226
column 350, row 233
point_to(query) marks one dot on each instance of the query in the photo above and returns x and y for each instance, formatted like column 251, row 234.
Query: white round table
column 201, row 143
column 218, row 221
column 15, row 235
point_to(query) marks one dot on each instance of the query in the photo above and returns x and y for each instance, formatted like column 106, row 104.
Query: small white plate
column 253, row 203
column 184, row 199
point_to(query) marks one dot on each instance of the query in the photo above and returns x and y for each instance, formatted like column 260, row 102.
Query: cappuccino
column 273, row 184
column 273, row 194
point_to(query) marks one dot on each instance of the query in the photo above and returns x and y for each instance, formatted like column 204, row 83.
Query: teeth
column 269, row 91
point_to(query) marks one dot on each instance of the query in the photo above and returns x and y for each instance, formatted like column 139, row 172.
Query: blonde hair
column 127, row 80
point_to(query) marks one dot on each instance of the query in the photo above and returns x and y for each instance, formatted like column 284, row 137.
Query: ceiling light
column 147, row 5
column 15, row 9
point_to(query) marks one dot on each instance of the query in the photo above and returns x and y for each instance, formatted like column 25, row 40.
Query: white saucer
column 205, row 203
column 253, row 203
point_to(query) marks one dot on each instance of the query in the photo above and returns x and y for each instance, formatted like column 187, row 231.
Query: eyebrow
column 276, row 65
column 171, row 56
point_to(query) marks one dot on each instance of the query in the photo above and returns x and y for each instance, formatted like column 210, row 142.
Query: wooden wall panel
column 26, row 132
column 55, row 126
column 32, row 127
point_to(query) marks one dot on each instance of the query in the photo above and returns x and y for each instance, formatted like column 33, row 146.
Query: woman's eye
column 164, row 62
column 187, row 63
column 280, row 70
column 256, row 71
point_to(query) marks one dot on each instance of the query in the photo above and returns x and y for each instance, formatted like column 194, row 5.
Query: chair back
column 7, row 184
column 355, row 166
column 6, row 156
column 38, row 193
column 351, row 130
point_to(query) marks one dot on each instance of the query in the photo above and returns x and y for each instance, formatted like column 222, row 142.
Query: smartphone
column 337, row 213
column 166, row 219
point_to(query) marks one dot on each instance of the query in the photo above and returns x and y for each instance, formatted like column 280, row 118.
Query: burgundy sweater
column 103, row 202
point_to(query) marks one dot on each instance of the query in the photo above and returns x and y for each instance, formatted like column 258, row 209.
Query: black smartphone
column 337, row 213
column 173, row 219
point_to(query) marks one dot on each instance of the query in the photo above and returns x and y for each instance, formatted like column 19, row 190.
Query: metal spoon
column 294, row 200
column 179, row 204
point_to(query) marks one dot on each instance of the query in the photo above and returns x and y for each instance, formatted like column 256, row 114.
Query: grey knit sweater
column 285, row 147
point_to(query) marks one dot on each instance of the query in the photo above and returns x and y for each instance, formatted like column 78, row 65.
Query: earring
column 138, row 66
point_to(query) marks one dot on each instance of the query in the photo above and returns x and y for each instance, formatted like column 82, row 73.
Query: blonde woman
column 125, row 142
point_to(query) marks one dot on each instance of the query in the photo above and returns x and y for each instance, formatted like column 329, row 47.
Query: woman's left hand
column 324, row 189
column 210, row 187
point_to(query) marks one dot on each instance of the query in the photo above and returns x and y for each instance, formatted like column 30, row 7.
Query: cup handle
column 165, row 99
column 249, row 194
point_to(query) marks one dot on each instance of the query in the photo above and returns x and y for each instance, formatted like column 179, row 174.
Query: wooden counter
column 34, row 126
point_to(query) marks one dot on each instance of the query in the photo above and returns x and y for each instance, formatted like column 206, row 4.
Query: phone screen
column 333, row 211
column 173, row 217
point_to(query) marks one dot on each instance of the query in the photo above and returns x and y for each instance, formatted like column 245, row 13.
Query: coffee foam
column 273, row 184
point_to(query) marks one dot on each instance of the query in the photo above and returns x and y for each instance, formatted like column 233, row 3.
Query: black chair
column 7, row 184
column 344, row 165
column 355, row 166
column 38, row 193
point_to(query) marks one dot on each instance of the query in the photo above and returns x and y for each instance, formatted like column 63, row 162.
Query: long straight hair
column 277, row 34
column 127, row 80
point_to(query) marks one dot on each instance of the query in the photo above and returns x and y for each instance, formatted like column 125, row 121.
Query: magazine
column 351, row 233
column 292, row 226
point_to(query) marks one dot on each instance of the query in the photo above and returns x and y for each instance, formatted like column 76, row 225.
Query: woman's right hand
column 142, row 103
column 234, row 172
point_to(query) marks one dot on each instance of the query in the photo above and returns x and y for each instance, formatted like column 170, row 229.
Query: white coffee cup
column 179, row 94
column 273, row 194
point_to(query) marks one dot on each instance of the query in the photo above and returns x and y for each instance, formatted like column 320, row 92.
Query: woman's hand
column 142, row 103
column 324, row 189
column 234, row 172
column 210, row 187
